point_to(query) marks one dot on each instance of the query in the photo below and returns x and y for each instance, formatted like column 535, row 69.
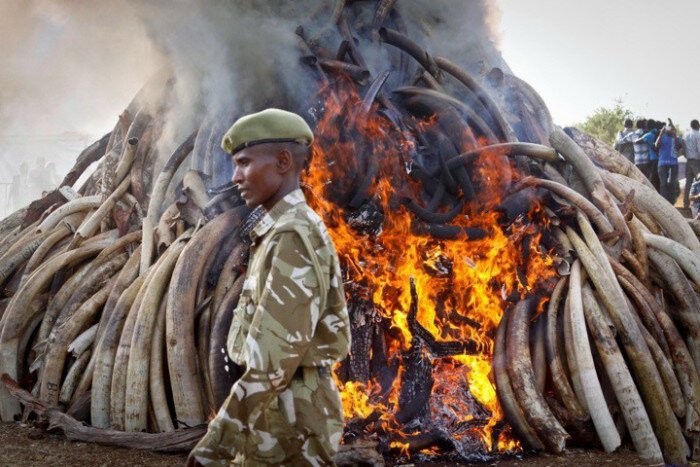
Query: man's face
column 256, row 174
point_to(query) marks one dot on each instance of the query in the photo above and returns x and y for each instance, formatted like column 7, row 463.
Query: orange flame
column 402, row 447
column 462, row 286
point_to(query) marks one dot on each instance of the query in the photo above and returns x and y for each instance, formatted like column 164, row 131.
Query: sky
column 581, row 55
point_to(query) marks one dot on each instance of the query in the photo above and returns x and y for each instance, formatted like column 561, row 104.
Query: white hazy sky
column 581, row 55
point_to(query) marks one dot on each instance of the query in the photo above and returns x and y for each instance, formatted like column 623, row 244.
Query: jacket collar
column 285, row 204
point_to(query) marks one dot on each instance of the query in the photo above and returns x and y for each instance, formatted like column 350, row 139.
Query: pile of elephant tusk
column 618, row 336
column 98, row 318
column 117, row 296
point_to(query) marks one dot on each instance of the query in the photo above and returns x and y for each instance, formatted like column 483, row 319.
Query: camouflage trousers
column 303, row 426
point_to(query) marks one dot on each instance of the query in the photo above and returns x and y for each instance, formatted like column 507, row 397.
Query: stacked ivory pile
column 619, row 334
column 118, row 296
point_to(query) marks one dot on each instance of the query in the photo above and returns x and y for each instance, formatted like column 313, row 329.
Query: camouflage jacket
column 291, row 314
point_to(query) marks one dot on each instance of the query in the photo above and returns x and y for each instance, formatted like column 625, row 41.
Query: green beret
column 268, row 126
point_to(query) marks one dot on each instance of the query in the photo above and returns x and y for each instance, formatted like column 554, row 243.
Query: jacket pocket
column 238, row 331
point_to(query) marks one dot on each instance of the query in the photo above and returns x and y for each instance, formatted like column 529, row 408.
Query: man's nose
column 237, row 176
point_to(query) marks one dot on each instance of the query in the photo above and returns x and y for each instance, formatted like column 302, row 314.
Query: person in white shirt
column 622, row 145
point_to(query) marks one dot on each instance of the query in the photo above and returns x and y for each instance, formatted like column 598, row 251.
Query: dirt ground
column 19, row 447
column 578, row 458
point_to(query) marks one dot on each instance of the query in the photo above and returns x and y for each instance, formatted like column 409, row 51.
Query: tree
column 604, row 123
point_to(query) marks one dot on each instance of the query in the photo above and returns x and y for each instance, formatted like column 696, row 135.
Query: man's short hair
column 641, row 124
column 628, row 123
column 301, row 154
column 695, row 125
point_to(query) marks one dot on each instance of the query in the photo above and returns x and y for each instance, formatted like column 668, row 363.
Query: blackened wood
column 433, row 217
column 362, row 323
column 448, row 232
column 416, row 384
column 356, row 427
column 434, row 438
column 437, row 349
column 379, row 364
column 520, row 203
column 367, row 219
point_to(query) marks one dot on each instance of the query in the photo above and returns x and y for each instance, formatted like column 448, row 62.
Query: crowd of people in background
column 30, row 184
column 654, row 147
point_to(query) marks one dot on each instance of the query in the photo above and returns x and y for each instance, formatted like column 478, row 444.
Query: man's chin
column 251, row 203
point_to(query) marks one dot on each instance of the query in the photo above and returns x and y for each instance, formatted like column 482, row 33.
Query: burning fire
column 463, row 286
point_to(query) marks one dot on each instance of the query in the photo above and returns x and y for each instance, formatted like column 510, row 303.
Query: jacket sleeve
column 280, row 333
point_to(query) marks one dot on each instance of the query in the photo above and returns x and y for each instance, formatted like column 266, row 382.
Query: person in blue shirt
column 641, row 149
column 667, row 145
column 654, row 127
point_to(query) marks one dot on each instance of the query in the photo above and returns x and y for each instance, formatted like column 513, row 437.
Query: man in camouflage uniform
column 291, row 323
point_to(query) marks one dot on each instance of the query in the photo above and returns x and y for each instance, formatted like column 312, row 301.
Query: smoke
column 73, row 66
column 226, row 57
column 231, row 58
column 63, row 62
column 464, row 31
column 67, row 71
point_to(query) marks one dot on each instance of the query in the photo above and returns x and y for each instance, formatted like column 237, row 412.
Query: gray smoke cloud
column 237, row 57
column 225, row 56
column 65, row 61
column 464, row 31
column 74, row 66
column 66, row 70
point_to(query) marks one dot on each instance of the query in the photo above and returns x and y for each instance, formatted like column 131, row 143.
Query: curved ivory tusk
column 522, row 377
column 636, row 417
column 504, row 391
column 688, row 260
column 76, row 205
column 592, row 391
column 667, row 216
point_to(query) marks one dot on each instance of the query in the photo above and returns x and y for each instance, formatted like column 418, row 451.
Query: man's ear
column 284, row 161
